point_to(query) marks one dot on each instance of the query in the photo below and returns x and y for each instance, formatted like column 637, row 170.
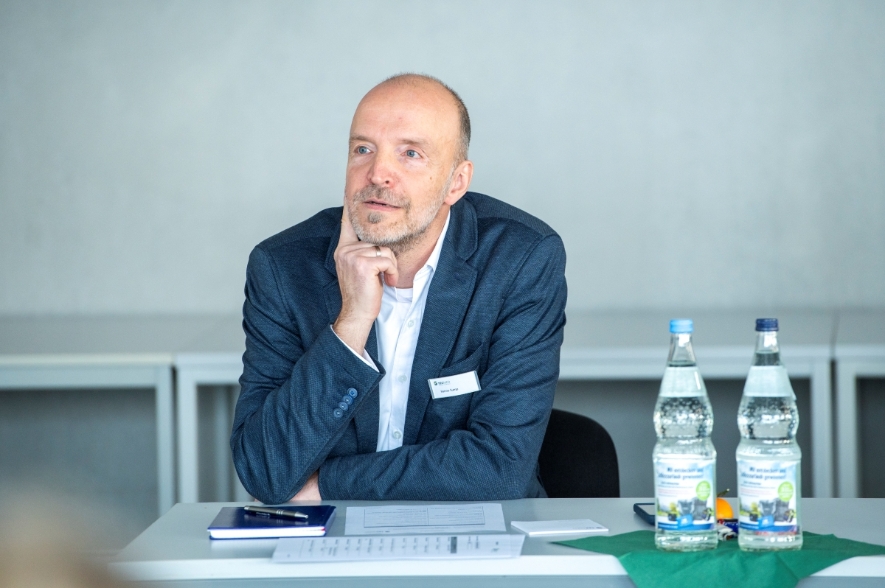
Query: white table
column 859, row 352
column 176, row 550
column 634, row 345
column 103, row 352
column 598, row 345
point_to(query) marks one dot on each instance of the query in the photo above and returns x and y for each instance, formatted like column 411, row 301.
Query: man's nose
column 382, row 172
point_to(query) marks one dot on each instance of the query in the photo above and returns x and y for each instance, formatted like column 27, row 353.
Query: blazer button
column 352, row 392
column 347, row 399
column 337, row 413
column 343, row 405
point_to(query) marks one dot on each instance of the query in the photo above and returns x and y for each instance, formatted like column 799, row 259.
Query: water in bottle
column 684, row 457
column 768, row 457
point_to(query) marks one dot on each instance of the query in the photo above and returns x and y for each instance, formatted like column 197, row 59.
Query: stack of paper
column 408, row 519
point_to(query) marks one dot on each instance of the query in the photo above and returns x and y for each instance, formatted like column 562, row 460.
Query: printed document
column 424, row 519
column 320, row 549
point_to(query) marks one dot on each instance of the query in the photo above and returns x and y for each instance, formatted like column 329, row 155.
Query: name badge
column 454, row 385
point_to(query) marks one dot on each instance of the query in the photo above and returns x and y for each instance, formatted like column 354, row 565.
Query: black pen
column 276, row 512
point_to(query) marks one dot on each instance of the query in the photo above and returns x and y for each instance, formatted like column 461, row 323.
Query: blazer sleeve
column 285, row 422
column 495, row 456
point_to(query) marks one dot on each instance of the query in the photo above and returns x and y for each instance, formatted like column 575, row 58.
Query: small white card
column 454, row 385
column 554, row 528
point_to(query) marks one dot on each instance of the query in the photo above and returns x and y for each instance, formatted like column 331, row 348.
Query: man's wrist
column 353, row 333
column 364, row 356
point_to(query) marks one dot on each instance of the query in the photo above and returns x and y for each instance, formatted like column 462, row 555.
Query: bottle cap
column 681, row 326
column 766, row 324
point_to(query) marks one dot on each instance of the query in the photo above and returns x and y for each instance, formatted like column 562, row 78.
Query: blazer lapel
column 447, row 300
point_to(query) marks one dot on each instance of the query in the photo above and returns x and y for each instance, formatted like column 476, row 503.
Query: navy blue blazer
column 496, row 305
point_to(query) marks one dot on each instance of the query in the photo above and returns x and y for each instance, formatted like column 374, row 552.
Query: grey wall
column 706, row 153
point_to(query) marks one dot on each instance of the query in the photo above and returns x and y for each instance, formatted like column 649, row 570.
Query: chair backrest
column 578, row 458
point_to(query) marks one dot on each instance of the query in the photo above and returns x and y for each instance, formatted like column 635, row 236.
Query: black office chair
column 578, row 458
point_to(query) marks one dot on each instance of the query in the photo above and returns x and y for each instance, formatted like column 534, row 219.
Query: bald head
column 407, row 163
column 424, row 82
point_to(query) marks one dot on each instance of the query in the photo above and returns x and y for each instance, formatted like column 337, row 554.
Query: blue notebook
column 233, row 522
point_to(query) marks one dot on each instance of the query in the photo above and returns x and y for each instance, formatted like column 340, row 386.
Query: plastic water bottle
column 768, row 457
column 684, row 456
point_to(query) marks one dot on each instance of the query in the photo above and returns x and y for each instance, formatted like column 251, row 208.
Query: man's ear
column 460, row 182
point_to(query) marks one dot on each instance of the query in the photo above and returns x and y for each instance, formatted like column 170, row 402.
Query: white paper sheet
column 583, row 527
column 424, row 519
column 324, row 549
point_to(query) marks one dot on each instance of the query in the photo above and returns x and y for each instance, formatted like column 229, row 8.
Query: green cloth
column 725, row 566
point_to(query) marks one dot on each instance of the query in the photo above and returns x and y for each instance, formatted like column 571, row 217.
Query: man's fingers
column 384, row 262
column 371, row 258
column 348, row 235
column 391, row 274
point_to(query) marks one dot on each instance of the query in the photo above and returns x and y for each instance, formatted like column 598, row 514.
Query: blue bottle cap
column 681, row 326
column 766, row 324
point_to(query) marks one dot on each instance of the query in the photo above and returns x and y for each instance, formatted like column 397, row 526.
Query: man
column 405, row 346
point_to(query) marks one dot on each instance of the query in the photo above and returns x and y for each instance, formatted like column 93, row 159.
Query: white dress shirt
column 397, row 328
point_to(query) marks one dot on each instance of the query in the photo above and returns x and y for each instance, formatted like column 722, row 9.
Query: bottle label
column 682, row 382
column 768, row 496
column 685, row 494
column 768, row 380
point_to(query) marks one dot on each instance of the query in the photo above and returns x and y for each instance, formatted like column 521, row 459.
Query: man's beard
column 402, row 236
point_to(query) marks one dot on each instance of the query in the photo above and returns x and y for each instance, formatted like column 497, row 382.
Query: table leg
column 165, row 440
column 822, row 428
column 846, row 405
column 188, row 446
column 221, row 413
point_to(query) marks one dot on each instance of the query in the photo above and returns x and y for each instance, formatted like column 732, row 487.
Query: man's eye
column 411, row 153
column 362, row 149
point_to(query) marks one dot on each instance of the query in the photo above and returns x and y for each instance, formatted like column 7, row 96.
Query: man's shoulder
column 491, row 211
column 313, row 232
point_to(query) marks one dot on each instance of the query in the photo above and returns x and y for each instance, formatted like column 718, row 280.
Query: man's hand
column 310, row 490
column 360, row 267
